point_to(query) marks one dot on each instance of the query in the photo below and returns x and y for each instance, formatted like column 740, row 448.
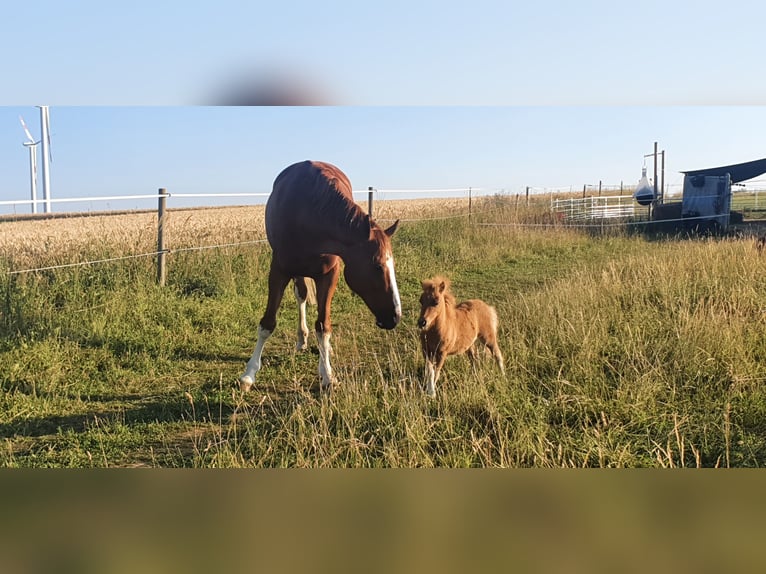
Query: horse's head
column 432, row 300
column 369, row 272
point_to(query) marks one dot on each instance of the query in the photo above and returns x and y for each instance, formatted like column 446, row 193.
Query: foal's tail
column 494, row 346
column 493, row 319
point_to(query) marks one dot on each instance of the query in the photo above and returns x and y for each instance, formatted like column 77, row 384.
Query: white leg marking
column 325, row 349
column 254, row 364
column 394, row 288
column 303, row 329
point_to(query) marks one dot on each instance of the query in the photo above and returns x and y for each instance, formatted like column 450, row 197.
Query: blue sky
column 397, row 52
column 122, row 150
column 429, row 94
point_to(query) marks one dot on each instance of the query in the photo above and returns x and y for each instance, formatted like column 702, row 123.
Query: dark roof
column 738, row 171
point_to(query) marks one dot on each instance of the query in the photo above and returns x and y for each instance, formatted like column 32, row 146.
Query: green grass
column 620, row 351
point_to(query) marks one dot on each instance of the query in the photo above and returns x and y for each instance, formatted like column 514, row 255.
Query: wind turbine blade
column 26, row 131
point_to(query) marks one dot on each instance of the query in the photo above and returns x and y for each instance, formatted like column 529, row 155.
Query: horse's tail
column 300, row 283
column 311, row 286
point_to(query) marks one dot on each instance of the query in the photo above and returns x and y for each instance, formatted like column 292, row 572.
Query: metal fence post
column 369, row 201
column 161, row 268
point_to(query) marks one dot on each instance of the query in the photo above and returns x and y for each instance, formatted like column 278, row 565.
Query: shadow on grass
column 126, row 409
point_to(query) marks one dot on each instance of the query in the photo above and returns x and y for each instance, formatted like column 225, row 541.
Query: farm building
column 706, row 200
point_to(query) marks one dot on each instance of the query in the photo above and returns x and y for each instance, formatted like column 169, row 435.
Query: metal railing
column 597, row 207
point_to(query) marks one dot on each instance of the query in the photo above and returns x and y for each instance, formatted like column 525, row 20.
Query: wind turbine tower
column 32, row 145
column 46, row 140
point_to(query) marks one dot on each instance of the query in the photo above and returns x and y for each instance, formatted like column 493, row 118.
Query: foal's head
column 433, row 300
column 369, row 272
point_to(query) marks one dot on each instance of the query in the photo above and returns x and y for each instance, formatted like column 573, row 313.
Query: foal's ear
column 442, row 286
column 391, row 230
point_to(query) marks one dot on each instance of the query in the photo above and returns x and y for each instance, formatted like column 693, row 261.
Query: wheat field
column 38, row 241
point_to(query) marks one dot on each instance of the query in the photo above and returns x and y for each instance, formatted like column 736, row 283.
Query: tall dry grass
column 621, row 350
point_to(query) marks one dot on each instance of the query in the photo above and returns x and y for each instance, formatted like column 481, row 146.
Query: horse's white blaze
column 394, row 288
column 254, row 364
column 325, row 349
column 303, row 329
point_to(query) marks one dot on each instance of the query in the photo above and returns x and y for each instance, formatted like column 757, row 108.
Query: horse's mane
column 433, row 286
column 336, row 203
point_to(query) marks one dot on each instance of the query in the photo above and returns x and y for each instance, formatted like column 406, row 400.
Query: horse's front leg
column 277, row 284
column 326, row 285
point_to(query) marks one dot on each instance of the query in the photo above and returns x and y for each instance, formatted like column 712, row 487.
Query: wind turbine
column 32, row 145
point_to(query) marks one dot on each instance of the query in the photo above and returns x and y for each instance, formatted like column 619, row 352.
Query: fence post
column 469, row 205
column 161, row 268
column 527, row 196
column 369, row 201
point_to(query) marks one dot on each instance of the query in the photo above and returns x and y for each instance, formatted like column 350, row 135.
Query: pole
column 161, row 268
column 656, row 189
column 469, row 205
column 369, row 201
column 662, row 184
column 45, row 128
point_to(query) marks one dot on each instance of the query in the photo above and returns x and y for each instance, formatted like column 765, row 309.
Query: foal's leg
column 440, row 359
column 301, row 293
column 471, row 354
column 277, row 284
column 434, row 366
column 326, row 285
column 430, row 378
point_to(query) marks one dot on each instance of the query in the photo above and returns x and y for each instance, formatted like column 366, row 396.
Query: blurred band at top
column 258, row 88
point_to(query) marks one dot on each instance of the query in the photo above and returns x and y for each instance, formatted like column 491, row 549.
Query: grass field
column 621, row 350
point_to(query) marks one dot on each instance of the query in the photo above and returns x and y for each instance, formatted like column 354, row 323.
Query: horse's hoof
column 245, row 383
column 327, row 386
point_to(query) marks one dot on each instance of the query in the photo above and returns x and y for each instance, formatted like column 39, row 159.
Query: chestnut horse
column 447, row 328
column 312, row 223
